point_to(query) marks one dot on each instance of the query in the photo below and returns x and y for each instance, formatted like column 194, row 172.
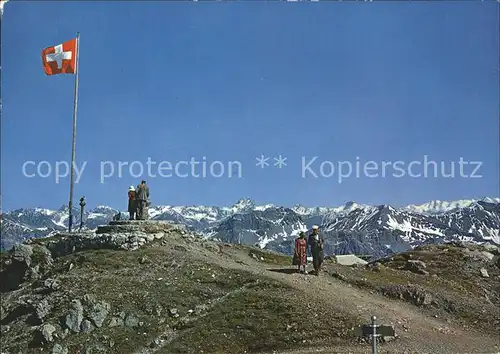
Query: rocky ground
column 154, row 287
column 458, row 282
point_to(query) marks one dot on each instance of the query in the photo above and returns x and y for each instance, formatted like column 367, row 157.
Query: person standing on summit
column 132, row 207
column 316, row 242
column 300, row 252
column 142, row 199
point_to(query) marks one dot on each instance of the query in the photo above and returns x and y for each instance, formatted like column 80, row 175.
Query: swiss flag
column 60, row 59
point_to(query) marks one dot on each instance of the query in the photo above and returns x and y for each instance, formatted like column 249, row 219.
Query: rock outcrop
column 31, row 279
column 30, row 260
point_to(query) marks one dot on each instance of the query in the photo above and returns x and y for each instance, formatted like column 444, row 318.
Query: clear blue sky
column 170, row 81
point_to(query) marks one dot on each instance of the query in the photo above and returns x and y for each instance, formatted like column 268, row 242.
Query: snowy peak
column 301, row 210
column 261, row 226
column 328, row 211
column 480, row 219
column 490, row 200
column 104, row 209
column 47, row 212
column 476, row 222
column 194, row 213
column 351, row 227
column 360, row 219
column 243, row 205
column 438, row 206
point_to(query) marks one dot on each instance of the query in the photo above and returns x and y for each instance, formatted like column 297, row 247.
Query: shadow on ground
column 283, row 270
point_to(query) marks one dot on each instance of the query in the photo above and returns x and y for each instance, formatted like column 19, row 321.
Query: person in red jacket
column 132, row 205
column 300, row 252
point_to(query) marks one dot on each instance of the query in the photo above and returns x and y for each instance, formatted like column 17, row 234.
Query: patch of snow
column 405, row 226
column 43, row 211
column 104, row 207
column 408, row 229
column 300, row 227
column 494, row 236
column 263, row 241
column 60, row 219
column 264, row 207
column 92, row 215
column 491, row 200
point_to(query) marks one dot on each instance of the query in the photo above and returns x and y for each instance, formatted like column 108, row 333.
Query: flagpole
column 70, row 222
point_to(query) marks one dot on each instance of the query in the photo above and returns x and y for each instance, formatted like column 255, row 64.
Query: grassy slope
column 233, row 311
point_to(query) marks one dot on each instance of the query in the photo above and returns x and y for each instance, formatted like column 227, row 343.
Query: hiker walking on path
column 132, row 205
column 316, row 242
column 300, row 252
column 142, row 199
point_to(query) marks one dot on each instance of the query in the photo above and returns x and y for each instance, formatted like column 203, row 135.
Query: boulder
column 481, row 256
column 413, row 294
column 376, row 266
column 21, row 254
column 487, row 255
column 484, row 273
column 131, row 321
column 87, row 326
column 59, row 349
column 18, row 268
column 96, row 311
column 75, row 316
column 47, row 330
column 42, row 309
column 51, row 284
column 116, row 322
column 492, row 248
column 416, row 266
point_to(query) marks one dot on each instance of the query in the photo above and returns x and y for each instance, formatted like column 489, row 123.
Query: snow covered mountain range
column 350, row 228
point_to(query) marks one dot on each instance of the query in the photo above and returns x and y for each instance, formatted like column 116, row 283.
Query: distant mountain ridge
column 350, row 228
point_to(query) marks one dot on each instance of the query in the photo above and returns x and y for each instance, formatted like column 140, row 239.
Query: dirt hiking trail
column 416, row 332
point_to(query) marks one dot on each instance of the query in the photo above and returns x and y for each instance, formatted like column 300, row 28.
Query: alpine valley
column 377, row 231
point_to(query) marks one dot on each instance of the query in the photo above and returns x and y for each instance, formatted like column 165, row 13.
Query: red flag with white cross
column 60, row 59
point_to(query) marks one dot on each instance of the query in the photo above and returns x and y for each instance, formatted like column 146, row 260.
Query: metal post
column 374, row 335
column 70, row 222
column 82, row 205
column 2, row 4
column 374, row 331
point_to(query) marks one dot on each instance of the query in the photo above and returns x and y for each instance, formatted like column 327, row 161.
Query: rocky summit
column 158, row 287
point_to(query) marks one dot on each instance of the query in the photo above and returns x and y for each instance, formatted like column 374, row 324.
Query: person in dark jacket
column 132, row 205
column 142, row 199
column 316, row 243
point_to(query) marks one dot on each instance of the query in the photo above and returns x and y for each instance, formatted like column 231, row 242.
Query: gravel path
column 417, row 333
